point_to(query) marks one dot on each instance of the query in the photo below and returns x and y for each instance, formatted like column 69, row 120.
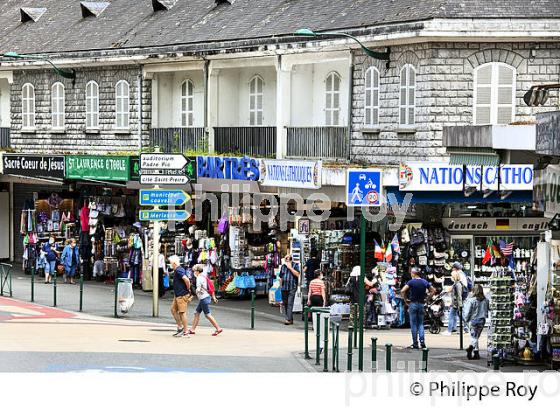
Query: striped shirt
column 289, row 280
column 316, row 287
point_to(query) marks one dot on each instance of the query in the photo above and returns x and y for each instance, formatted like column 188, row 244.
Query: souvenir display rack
column 553, row 314
column 500, row 329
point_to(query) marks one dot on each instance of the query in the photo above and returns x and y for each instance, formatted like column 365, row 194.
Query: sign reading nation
column 290, row 174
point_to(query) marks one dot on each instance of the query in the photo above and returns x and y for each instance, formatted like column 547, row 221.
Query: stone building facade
column 444, row 95
column 74, row 138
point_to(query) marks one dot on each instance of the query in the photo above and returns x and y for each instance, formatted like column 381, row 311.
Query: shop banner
column 291, row 174
column 38, row 166
column 243, row 169
column 547, row 190
column 428, row 176
column 464, row 225
column 99, row 168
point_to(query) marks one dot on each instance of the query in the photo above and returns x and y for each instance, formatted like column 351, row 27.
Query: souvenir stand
column 549, row 324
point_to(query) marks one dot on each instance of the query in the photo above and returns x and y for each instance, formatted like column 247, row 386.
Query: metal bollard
column 388, row 347
column 317, row 324
column 326, row 344
column 355, row 325
column 335, row 335
column 461, row 328
column 306, row 330
column 350, row 332
column 116, row 290
column 54, row 287
column 81, row 291
column 33, row 284
column 496, row 362
column 425, row 352
column 252, row 309
column 373, row 354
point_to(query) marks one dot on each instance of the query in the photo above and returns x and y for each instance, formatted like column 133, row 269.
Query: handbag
column 223, row 224
column 417, row 237
column 298, row 303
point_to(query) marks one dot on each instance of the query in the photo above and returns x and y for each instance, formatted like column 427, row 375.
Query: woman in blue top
column 70, row 259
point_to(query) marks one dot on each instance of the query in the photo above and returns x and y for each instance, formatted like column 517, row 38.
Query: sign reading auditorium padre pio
column 434, row 176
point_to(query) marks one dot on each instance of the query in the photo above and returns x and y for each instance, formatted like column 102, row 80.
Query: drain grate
column 134, row 341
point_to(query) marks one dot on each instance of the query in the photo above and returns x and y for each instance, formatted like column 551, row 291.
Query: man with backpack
column 206, row 293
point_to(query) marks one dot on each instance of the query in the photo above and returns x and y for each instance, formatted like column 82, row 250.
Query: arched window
column 371, row 97
column 28, row 106
column 187, row 103
column 92, row 105
column 256, row 87
column 407, row 100
column 494, row 94
column 57, row 105
column 122, row 92
column 332, row 100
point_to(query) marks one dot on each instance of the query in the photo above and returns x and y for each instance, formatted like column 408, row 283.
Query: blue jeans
column 135, row 274
column 71, row 272
column 416, row 314
column 288, row 297
column 452, row 319
column 476, row 328
column 50, row 268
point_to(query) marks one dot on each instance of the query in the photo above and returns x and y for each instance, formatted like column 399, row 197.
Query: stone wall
column 75, row 138
column 444, row 94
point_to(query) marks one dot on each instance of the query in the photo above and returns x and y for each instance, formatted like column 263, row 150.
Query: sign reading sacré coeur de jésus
column 102, row 168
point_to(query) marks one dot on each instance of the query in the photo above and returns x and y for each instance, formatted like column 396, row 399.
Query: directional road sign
column 163, row 197
column 155, row 215
column 363, row 187
column 164, row 179
column 163, row 161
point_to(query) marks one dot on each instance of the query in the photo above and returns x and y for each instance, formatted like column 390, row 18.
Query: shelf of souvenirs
column 517, row 253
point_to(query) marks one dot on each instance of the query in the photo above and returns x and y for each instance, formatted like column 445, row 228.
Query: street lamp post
column 69, row 74
column 385, row 56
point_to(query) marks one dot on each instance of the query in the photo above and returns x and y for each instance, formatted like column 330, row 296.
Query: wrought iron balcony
column 328, row 143
column 251, row 141
column 178, row 139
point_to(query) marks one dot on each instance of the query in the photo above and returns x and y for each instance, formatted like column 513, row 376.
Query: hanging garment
column 84, row 219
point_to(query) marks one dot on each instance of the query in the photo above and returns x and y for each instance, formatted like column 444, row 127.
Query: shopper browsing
column 311, row 267
column 316, row 296
column 414, row 293
column 205, row 294
column 456, row 302
column 289, row 279
column 70, row 259
column 181, row 289
column 475, row 313
column 51, row 255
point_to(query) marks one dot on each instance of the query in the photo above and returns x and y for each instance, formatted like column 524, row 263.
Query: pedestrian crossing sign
column 363, row 187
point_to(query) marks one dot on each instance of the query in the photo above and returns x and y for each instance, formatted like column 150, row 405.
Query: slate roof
column 133, row 23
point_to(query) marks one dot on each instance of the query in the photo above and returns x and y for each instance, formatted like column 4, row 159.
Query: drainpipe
column 350, row 98
column 206, row 110
column 140, row 81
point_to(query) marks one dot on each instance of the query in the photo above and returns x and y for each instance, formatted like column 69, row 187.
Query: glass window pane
column 505, row 75
column 403, row 116
column 336, row 102
column 403, row 96
column 368, row 76
column 375, row 115
column 336, row 80
column 483, row 95
column 190, row 104
column 252, row 118
column 482, row 115
column 183, row 104
column 411, row 116
column 505, row 95
column 411, row 96
column 259, row 118
column 375, row 101
column 368, row 101
column 191, row 120
column 375, row 78
column 335, row 117
column 252, row 102
column 504, row 115
column 252, row 87
column 412, row 77
column 329, row 100
column 259, row 102
column 328, row 115
column 484, row 75
column 368, row 117
column 184, row 120
column 403, row 77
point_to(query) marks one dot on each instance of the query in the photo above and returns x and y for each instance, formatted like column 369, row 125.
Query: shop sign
column 547, row 191
column 290, row 174
column 458, row 225
column 363, row 187
column 243, row 169
column 38, row 166
column 100, row 168
column 156, row 215
column 428, row 176
column 163, row 197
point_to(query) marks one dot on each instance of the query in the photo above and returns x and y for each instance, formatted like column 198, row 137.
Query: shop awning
column 475, row 156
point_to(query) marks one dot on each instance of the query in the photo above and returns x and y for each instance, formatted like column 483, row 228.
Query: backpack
column 210, row 286
column 468, row 288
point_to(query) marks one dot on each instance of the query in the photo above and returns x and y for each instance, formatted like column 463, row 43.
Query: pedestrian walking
column 311, row 266
column 181, row 289
column 163, row 274
column 317, row 295
column 289, row 279
column 475, row 313
column 414, row 293
column 456, row 302
column 206, row 295
column 70, row 259
column 51, row 254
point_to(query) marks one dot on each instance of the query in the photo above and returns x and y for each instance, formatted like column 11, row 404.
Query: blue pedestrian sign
column 363, row 187
column 156, row 215
column 163, row 197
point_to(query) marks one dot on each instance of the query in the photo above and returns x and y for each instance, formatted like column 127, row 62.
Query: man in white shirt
column 205, row 297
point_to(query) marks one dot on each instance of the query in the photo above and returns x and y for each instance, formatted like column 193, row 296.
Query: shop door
column 462, row 251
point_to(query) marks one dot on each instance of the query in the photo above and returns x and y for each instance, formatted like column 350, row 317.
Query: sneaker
column 178, row 333
column 446, row 333
column 422, row 345
column 184, row 334
column 415, row 347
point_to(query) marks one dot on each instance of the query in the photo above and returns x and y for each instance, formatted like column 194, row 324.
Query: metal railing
column 317, row 142
column 4, row 137
column 6, row 279
column 178, row 139
column 252, row 141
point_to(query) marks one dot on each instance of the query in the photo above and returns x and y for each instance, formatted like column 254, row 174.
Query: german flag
column 502, row 224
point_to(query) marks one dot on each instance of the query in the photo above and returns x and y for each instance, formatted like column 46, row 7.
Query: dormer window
column 93, row 8
column 31, row 13
column 163, row 5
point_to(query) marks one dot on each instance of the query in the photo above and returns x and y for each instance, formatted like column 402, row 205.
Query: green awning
column 481, row 156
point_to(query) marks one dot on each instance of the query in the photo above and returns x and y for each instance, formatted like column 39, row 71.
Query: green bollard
column 81, row 291
column 116, row 289
column 33, row 284
column 355, row 325
column 496, row 362
column 337, row 346
column 306, row 330
column 461, row 328
column 373, row 354
column 318, row 339
column 252, row 309
column 326, row 344
column 425, row 352
column 388, row 348
column 54, row 287
column 350, row 332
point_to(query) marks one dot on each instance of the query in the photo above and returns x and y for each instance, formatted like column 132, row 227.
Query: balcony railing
column 178, row 139
column 4, row 137
column 317, row 142
column 252, row 141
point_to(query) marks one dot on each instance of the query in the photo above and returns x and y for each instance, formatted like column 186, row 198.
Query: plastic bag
column 125, row 295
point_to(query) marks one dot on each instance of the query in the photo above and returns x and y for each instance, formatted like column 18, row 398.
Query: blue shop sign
column 455, row 197
column 244, row 169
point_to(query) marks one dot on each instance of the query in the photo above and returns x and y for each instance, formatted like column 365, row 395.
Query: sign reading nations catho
column 100, row 168
column 291, row 174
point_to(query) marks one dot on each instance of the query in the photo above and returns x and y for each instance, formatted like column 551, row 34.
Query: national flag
column 388, row 253
column 396, row 245
column 488, row 253
column 378, row 253
column 507, row 249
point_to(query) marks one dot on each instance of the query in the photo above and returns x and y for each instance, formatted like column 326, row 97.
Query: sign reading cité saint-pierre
column 166, row 169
